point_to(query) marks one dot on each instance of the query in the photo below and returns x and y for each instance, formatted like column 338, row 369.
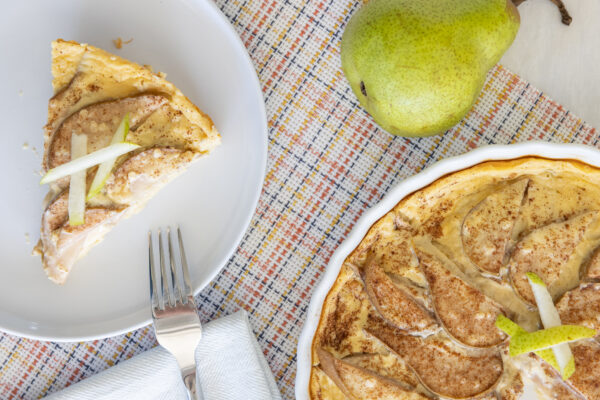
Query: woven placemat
column 328, row 163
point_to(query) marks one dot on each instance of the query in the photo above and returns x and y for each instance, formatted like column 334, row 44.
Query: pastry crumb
column 27, row 146
column 118, row 42
column 37, row 250
column 27, row 239
column 21, row 93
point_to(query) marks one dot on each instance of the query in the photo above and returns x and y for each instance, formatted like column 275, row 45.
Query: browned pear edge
column 368, row 275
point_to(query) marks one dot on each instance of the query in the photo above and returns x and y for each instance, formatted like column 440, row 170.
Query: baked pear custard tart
column 116, row 134
column 482, row 285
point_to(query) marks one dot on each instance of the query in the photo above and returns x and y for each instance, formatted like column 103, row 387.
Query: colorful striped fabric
column 328, row 163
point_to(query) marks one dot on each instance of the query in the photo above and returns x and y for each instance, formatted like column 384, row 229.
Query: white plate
column 213, row 202
column 585, row 154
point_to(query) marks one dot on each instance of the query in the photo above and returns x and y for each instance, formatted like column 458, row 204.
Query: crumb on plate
column 118, row 42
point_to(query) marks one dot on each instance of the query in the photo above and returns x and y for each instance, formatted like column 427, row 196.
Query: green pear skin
column 417, row 66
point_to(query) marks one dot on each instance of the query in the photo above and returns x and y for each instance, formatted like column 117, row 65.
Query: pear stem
column 564, row 13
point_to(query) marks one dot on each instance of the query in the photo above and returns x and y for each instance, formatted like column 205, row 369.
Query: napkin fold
column 230, row 365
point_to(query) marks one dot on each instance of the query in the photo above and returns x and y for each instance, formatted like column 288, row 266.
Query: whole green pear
column 417, row 66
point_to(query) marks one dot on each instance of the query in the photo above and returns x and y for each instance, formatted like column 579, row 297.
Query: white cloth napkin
column 230, row 365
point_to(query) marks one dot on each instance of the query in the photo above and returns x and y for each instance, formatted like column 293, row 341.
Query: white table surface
column 562, row 61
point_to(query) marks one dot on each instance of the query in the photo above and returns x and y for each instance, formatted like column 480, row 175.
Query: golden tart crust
column 421, row 292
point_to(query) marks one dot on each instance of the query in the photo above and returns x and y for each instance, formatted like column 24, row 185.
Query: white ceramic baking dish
column 586, row 154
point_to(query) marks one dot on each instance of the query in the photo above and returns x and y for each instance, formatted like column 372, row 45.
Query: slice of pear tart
column 437, row 301
column 114, row 104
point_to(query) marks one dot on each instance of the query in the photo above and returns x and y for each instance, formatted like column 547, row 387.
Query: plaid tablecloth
column 328, row 163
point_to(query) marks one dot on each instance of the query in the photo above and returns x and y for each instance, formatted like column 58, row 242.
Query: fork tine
column 178, row 293
column 166, row 289
column 153, row 290
column 184, row 266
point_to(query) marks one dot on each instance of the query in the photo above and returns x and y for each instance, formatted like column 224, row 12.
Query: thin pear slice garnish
column 76, row 204
column 549, row 338
column 87, row 161
column 509, row 327
column 513, row 329
column 551, row 320
column 106, row 167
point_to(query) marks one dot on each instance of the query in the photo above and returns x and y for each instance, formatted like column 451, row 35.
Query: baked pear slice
column 581, row 306
column 592, row 269
column 127, row 190
column 487, row 228
column 437, row 361
column 62, row 243
column 348, row 306
column 395, row 304
column 468, row 315
column 386, row 365
column 84, row 75
column 545, row 252
column 586, row 379
column 98, row 122
column 359, row 383
column 94, row 90
column 392, row 249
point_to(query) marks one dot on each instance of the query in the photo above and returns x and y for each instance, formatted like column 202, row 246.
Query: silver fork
column 176, row 321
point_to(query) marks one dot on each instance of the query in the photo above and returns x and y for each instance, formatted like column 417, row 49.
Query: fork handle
column 189, row 380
